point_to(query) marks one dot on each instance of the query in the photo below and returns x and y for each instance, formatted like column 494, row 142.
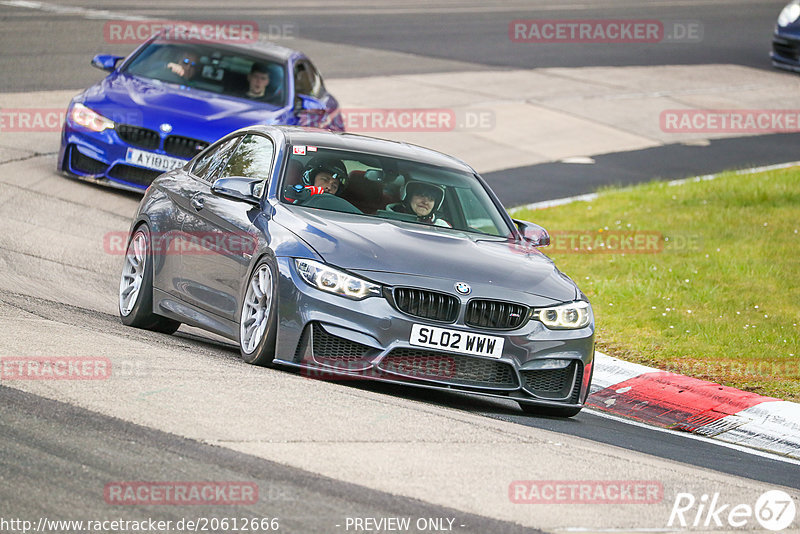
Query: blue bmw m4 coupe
column 170, row 99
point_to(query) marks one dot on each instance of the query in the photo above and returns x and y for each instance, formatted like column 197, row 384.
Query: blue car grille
column 555, row 383
column 495, row 314
column 456, row 369
column 426, row 304
column 183, row 147
column 140, row 137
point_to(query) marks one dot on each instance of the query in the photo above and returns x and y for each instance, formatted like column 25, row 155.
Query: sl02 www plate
column 433, row 337
column 153, row 161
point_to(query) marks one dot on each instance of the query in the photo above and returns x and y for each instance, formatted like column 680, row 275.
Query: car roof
column 259, row 47
column 371, row 145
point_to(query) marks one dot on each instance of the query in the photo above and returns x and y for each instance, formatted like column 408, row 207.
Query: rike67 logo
column 774, row 510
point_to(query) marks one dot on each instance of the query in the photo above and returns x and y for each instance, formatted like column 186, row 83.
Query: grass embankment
column 716, row 297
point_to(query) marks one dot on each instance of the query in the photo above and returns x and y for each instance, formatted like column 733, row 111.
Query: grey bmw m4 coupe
column 352, row 257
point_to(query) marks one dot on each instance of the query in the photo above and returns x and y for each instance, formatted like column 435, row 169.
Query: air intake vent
column 456, row 369
column 555, row 384
column 134, row 175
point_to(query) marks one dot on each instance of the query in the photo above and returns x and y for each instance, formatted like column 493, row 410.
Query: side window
column 307, row 80
column 209, row 165
column 252, row 158
column 477, row 215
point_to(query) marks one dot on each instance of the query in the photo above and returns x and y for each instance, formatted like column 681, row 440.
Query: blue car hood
column 129, row 99
column 389, row 251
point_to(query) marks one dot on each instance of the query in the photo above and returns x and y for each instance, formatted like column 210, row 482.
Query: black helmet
column 334, row 167
column 415, row 187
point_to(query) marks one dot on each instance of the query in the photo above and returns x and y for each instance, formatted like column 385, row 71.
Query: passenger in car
column 259, row 83
column 179, row 66
column 422, row 199
column 185, row 65
column 321, row 175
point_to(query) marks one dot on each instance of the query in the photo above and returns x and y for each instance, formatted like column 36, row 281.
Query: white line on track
column 740, row 448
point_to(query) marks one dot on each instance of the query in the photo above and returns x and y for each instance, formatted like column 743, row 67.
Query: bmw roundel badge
column 463, row 288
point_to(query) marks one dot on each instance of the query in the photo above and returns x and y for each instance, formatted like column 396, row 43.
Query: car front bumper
column 101, row 157
column 786, row 51
column 331, row 337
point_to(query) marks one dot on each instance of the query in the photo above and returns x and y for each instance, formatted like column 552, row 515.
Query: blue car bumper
column 109, row 157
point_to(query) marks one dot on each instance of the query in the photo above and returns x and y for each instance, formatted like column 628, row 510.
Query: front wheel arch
column 258, row 313
column 137, row 310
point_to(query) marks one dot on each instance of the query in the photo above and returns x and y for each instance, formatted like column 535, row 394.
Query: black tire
column 257, row 338
column 137, row 310
column 566, row 411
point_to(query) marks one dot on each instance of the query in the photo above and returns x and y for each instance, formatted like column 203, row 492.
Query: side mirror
column 105, row 62
column 533, row 233
column 239, row 188
column 307, row 103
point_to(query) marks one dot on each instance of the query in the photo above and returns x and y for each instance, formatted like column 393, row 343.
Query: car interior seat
column 367, row 195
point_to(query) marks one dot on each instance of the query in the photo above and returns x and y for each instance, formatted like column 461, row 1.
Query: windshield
column 213, row 69
column 390, row 188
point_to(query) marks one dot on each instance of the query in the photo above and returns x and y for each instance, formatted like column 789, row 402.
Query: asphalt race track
column 338, row 456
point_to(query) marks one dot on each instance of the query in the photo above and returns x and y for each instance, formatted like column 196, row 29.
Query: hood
column 128, row 99
column 395, row 253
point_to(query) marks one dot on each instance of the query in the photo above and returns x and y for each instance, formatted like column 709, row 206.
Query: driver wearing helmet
column 321, row 175
column 422, row 199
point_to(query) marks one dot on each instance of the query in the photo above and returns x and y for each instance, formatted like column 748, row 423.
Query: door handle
column 198, row 203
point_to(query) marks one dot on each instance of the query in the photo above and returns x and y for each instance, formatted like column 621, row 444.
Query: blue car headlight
column 90, row 119
column 789, row 14
column 335, row 281
column 565, row 316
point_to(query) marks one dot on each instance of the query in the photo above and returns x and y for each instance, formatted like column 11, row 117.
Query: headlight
column 565, row 316
column 90, row 119
column 335, row 281
column 790, row 13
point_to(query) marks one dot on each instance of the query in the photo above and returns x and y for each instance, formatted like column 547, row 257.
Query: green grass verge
column 711, row 289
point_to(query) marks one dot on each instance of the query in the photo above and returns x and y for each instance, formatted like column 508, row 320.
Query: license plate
column 456, row 341
column 153, row 161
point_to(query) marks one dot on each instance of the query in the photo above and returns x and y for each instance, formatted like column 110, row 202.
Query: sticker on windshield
column 299, row 150
column 311, row 148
